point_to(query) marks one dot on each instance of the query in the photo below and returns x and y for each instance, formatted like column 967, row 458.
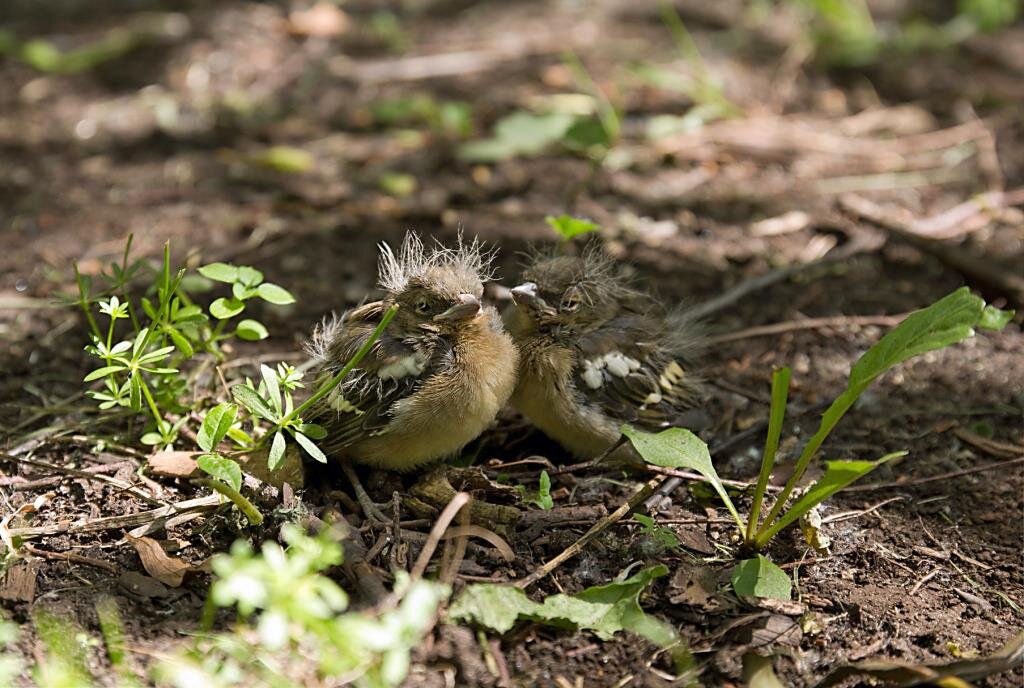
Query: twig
column 70, row 557
column 575, row 548
column 934, row 478
column 96, row 525
column 810, row 324
column 928, row 577
column 834, row 518
column 119, row 484
column 978, row 270
column 443, row 521
column 956, row 221
column 697, row 477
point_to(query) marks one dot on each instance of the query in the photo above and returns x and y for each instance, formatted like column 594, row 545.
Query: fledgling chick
column 437, row 376
column 595, row 353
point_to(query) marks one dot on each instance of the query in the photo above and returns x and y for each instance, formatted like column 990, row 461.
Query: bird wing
column 623, row 370
column 363, row 404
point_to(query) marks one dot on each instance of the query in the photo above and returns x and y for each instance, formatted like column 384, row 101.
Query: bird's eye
column 422, row 307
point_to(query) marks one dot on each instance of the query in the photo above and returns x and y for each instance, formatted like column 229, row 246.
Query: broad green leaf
column 568, row 226
column 223, row 308
column 215, row 425
column 604, row 609
column 680, row 448
column 520, row 133
column 838, row 474
column 249, row 276
column 758, row 577
column 242, row 292
column 251, row 330
column 268, row 291
column 222, row 468
column 277, row 447
column 219, row 272
column 247, row 397
column 180, row 341
column 311, row 449
column 271, row 386
column 151, row 439
column 102, row 372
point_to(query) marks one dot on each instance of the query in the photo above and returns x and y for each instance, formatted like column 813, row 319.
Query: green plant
column 569, row 227
column 665, row 537
column 946, row 322
column 542, row 497
column 289, row 613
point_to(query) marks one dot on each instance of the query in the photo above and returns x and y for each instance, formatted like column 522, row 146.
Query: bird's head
column 437, row 289
column 571, row 294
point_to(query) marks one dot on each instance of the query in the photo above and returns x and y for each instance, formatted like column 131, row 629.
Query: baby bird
column 437, row 376
column 596, row 353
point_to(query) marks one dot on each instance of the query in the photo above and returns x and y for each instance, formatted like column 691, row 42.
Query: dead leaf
column 322, row 20
column 142, row 585
column 897, row 673
column 173, row 464
column 35, row 505
column 694, row 586
column 165, row 568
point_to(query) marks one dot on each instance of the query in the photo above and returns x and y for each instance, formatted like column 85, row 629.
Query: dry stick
column 931, row 479
column 810, row 324
column 120, row 484
column 599, row 527
column 96, row 525
column 458, row 501
column 978, row 270
column 70, row 557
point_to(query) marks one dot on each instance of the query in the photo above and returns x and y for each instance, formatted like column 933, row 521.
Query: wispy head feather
column 470, row 262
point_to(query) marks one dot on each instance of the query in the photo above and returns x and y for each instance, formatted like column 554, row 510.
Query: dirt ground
column 156, row 143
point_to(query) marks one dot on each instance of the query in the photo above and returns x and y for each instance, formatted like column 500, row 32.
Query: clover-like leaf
column 251, row 330
column 272, row 293
column 219, row 272
column 223, row 308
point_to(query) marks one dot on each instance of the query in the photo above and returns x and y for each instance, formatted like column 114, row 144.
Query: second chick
column 595, row 354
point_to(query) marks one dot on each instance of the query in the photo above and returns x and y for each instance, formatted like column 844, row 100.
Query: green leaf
column 180, row 341
column 759, row 577
column 838, row 474
column 102, row 372
column 520, row 133
column 155, row 355
column 311, row 449
column 268, row 291
column 397, row 184
column 219, row 272
column 223, row 308
column 222, row 468
column 680, row 448
column 285, row 159
column 249, row 276
column 604, row 609
column 312, row 431
column 947, row 321
column 277, row 447
column 151, row 439
column 271, row 386
column 140, row 339
column 242, row 292
column 568, row 226
column 215, row 425
column 247, row 397
column 994, row 319
column 251, row 330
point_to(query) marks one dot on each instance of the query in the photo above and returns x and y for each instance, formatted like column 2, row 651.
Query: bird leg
column 370, row 510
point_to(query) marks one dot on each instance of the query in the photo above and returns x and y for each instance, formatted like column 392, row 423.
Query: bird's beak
column 526, row 295
column 467, row 307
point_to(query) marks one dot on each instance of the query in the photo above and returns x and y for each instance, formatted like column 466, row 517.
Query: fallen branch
column 838, row 321
column 978, row 270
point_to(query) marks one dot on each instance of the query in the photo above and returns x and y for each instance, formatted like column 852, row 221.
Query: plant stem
column 780, row 392
column 149, row 400
column 831, row 417
column 327, row 388
column 252, row 514
column 83, row 301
